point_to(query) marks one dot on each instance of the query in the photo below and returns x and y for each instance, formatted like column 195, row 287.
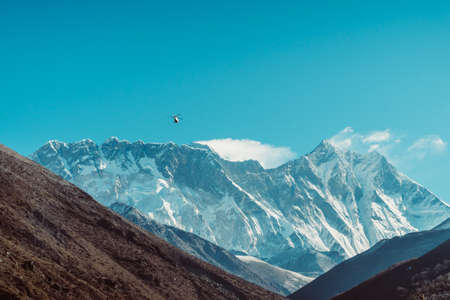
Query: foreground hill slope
column 57, row 242
column 384, row 254
column 427, row 277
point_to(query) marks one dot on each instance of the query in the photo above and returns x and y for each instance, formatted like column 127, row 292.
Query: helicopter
column 176, row 118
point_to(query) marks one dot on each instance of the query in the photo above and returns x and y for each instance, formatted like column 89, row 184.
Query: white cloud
column 348, row 139
column 373, row 147
column 348, row 129
column 343, row 139
column 377, row 137
column 344, row 143
column 391, row 145
column 430, row 144
column 239, row 150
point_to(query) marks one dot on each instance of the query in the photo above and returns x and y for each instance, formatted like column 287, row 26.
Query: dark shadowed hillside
column 353, row 271
column 427, row 277
column 56, row 242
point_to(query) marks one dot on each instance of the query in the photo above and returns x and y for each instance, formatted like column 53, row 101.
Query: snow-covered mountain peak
column 201, row 146
column 86, row 141
column 52, row 146
column 324, row 152
column 86, row 146
column 55, row 144
column 327, row 200
column 115, row 140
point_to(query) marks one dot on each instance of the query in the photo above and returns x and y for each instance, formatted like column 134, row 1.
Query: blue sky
column 287, row 75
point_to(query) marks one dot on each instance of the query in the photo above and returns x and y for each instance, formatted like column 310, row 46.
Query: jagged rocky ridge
column 329, row 200
column 275, row 279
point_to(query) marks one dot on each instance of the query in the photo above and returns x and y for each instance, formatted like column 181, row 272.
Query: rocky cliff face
column 328, row 201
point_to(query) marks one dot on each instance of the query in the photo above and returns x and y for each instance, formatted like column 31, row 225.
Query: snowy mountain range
column 333, row 202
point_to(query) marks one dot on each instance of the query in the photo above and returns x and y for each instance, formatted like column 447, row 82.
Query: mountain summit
column 330, row 200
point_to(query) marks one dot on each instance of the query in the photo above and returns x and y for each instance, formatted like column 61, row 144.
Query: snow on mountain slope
column 443, row 225
column 290, row 280
column 327, row 201
column 284, row 283
column 307, row 262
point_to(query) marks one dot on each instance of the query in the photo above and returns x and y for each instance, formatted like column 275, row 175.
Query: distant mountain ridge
column 286, row 282
column 363, row 266
column 329, row 201
column 425, row 277
column 443, row 225
column 310, row 262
